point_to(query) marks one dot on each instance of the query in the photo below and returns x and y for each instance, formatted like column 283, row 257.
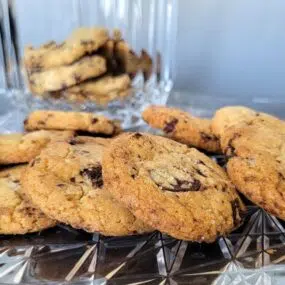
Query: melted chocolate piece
column 207, row 137
column 137, row 135
column 94, row 174
column 170, row 126
column 94, row 121
column 195, row 186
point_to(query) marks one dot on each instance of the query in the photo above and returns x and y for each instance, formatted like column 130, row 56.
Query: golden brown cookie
column 102, row 90
column 75, row 121
column 64, row 76
column 18, row 216
column 256, row 161
column 82, row 41
column 19, row 148
column 183, row 127
column 66, row 183
column 174, row 188
column 233, row 115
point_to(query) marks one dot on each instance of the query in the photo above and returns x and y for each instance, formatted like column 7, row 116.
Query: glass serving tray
column 253, row 254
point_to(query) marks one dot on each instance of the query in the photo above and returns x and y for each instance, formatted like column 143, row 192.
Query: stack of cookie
column 89, row 65
column 127, row 183
column 19, row 215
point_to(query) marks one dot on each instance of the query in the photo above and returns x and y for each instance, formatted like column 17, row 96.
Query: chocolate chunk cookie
column 18, row 216
column 102, row 90
column 19, row 148
column 174, row 188
column 66, row 183
column 233, row 115
column 183, row 127
column 256, row 161
column 82, row 41
column 76, row 121
column 61, row 77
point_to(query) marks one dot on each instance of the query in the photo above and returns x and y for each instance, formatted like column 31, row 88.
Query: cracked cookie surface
column 229, row 116
column 82, row 41
column 76, row 121
column 182, row 127
column 256, row 161
column 64, row 76
column 18, row 216
column 176, row 189
column 66, row 183
column 19, row 148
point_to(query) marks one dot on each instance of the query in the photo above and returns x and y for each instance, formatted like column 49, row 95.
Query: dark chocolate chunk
column 180, row 186
column 170, row 126
column 60, row 185
column 208, row 137
column 72, row 179
column 25, row 122
column 94, row 121
column 137, row 135
column 94, row 174
column 77, row 78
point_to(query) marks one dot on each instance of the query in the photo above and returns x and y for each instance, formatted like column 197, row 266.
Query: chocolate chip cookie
column 64, row 76
column 50, row 55
column 183, row 127
column 76, row 121
column 256, row 161
column 233, row 115
column 174, row 188
column 19, row 148
column 102, row 90
column 18, row 216
column 66, row 183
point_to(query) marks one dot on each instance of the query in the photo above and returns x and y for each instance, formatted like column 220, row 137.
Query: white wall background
column 225, row 47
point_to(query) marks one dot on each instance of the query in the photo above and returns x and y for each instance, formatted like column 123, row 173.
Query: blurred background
column 223, row 48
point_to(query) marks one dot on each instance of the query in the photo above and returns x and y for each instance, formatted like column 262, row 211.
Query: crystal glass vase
column 146, row 27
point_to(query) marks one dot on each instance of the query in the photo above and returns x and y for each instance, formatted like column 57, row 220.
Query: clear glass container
column 147, row 26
